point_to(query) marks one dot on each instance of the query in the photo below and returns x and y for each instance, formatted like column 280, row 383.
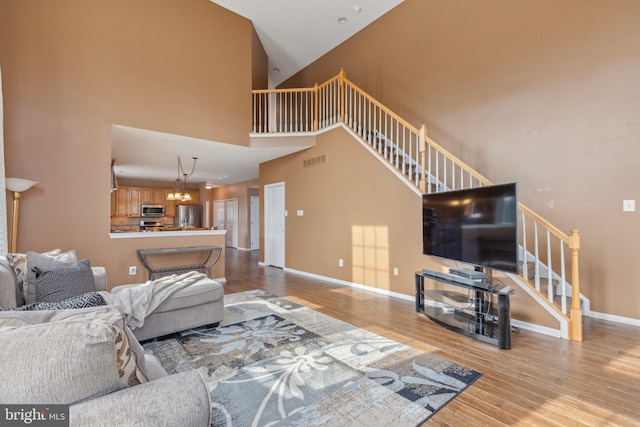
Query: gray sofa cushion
column 204, row 291
column 175, row 400
column 63, row 357
column 55, row 284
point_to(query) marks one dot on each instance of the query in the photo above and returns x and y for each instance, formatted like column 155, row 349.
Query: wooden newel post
column 342, row 76
column 423, row 158
column 576, row 313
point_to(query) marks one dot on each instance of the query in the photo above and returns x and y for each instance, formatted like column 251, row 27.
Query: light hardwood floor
column 540, row 381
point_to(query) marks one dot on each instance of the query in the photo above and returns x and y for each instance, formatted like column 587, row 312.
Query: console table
column 481, row 312
column 211, row 255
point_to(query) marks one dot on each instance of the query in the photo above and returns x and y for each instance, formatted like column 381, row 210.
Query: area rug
column 274, row 362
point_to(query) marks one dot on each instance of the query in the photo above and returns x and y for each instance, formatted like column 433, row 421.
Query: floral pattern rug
column 273, row 362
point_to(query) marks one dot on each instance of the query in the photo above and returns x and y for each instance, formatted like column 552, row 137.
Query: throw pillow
column 55, row 284
column 45, row 260
column 18, row 263
column 90, row 299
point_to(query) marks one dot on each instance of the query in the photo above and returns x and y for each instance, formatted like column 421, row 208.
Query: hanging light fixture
column 181, row 193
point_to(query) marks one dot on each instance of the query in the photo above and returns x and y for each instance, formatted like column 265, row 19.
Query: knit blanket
column 140, row 300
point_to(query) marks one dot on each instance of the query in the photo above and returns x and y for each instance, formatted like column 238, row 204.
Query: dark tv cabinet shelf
column 481, row 312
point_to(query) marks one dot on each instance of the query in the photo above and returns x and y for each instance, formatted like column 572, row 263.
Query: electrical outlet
column 133, row 270
column 340, row 262
column 395, row 271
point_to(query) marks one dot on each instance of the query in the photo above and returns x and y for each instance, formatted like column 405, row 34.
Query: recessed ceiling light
column 276, row 70
column 357, row 9
column 342, row 20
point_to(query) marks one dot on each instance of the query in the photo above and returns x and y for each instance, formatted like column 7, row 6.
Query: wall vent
column 314, row 161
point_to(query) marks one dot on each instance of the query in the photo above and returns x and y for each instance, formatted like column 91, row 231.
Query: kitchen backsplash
column 119, row 223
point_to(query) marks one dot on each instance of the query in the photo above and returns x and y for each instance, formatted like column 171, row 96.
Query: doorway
column 274, row 224
column 225, row 217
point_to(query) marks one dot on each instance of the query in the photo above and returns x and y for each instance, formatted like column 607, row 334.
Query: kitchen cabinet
column 122, row 201
column 114, row 193
column 134, row 201
column 127, row 201
column 152, row 196
column 170, row 205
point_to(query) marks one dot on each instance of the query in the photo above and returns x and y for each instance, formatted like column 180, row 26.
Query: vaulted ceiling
column 294, row 33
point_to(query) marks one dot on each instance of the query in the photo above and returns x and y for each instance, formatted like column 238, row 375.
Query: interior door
column 231, row 222
column 274, row 228
column 255, row 222
column 218, row 215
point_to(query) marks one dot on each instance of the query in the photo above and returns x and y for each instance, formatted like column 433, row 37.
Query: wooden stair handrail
column 572, row 241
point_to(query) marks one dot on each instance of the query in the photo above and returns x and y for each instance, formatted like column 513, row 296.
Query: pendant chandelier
column 181, row 193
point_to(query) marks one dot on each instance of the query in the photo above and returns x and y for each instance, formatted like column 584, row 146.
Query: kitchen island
column 127, row 245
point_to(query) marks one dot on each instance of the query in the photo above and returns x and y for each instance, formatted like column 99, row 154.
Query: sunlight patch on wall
column 370, row 253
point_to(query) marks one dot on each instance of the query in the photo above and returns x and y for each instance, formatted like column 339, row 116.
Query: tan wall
column 355, row 209
column 72, row 68
column 545, row 93
column 259, row 63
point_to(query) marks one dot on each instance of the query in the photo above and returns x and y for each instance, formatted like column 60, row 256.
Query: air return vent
column 314, row 161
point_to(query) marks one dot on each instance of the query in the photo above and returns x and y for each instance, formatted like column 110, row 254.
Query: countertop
column 177, row 232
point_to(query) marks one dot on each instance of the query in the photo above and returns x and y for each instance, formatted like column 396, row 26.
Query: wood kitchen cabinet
column 134, row 201
column 127, row 201
column 122, row 201
column 152, row 196
column 170, row 205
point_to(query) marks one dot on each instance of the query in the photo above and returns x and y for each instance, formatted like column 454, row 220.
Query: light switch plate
column 628, row 205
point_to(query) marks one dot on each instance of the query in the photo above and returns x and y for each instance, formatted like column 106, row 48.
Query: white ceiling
column 294, row 33
column 153, row 156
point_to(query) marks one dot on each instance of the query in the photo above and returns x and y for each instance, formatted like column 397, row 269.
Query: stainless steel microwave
column 152, row 210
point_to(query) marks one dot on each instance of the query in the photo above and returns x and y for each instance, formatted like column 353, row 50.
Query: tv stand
column 473, row 308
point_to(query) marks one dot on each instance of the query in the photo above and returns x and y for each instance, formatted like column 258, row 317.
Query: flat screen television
column 477, row 226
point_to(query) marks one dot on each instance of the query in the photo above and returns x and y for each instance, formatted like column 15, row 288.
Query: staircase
column 549, row 256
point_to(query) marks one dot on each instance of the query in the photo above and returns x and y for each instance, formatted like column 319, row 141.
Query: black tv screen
column 477, row 226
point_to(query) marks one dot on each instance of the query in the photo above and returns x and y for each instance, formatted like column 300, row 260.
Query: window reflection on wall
column 370, row 252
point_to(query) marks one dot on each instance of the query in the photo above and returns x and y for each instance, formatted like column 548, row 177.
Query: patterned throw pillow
column 45, row 260
column 90, row 299
column 55, row 284
column 128, row 368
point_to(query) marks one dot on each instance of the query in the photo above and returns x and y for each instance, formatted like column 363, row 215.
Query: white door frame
column 254, row 223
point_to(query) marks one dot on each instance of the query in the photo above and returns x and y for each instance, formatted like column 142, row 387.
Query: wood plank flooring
column 540, row 381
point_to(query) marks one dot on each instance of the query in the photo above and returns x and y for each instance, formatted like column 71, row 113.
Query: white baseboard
column 351, row 284
column 614, row 318
column 536, row 328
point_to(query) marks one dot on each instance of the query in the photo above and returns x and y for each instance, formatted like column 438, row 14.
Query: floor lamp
column 17, row 186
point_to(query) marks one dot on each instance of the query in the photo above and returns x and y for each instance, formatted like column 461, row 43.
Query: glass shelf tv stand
column 479, row 311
